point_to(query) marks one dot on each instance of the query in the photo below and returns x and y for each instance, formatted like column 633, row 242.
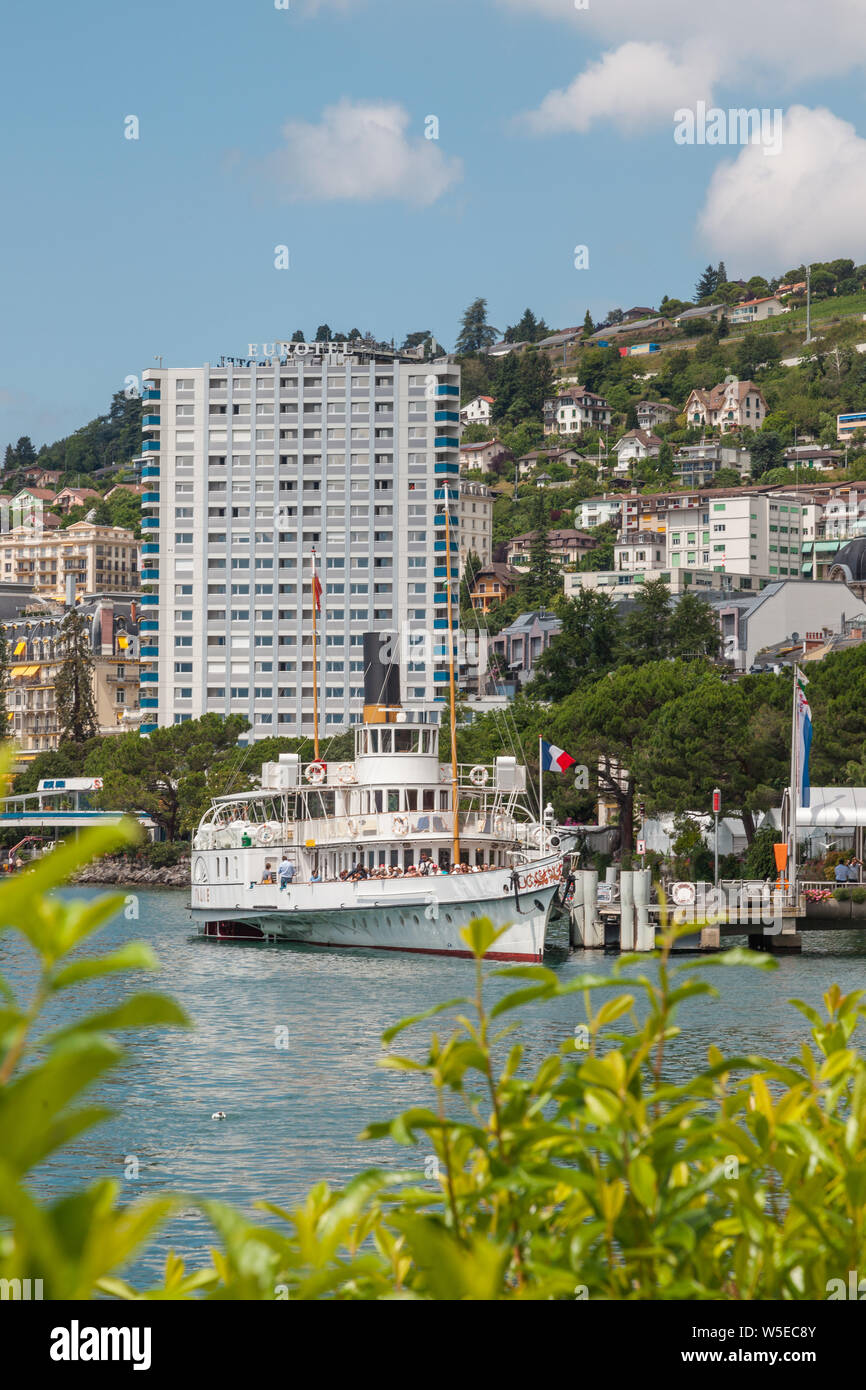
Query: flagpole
column 315, row 664
column 540, row 785
column 795, row 778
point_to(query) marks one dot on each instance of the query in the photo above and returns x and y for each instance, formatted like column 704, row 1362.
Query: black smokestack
column 381, row 669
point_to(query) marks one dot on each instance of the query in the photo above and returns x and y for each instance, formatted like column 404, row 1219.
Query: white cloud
column 806, row 203
column 361, row 151
column 786, row 38
column 761, row 47
column 629, row 86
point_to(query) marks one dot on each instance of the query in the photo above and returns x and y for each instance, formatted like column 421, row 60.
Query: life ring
column 683, row 894
column 538, row 836
column 315, row 773
column 401, row 825
column 266, row 835
column 479, row 776
column 346, row 774
column 352, row 826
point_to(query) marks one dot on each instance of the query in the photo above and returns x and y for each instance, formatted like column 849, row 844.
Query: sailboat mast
column 453, row 698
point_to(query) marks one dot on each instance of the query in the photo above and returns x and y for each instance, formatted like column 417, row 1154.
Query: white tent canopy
column 833, row 808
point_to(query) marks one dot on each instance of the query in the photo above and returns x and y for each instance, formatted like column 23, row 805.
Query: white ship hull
column 424, row 914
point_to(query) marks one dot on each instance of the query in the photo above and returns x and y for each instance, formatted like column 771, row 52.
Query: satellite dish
column 795, row 636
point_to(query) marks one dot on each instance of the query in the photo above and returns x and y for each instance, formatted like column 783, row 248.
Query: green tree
column 543, row 579
column 707, row 284
column 73, row 684
column 475, row 332
column 730, row 734
column 584, row 649
column 606, row 725
column 413, row 340
column 646, row 629
column 600, row 558
column 767, row 451
column 588, row 325
column 169, row 773
column 693, row 629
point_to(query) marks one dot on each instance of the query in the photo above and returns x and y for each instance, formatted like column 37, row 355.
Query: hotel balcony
column 151, row 395
column 447, row 390
column 150, row 446
column 152, row 471
column 445, row 441
column 151, row 420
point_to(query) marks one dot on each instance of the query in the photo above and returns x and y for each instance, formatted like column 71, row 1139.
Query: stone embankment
column 116, row 869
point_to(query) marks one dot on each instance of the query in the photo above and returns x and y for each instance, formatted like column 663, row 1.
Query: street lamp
column 717, row 806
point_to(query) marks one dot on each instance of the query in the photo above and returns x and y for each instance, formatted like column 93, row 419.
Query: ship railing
column 363, row 829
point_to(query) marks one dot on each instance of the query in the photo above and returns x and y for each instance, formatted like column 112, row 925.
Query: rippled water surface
column 294, row 1114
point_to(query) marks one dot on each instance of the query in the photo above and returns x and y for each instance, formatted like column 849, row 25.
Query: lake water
column 294, row 1114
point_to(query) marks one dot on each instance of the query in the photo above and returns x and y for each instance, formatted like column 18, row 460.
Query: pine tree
column 323, row 334
column 526, row 330
column 73, row 684
column 25, row 454
column 475, row 332
column 299, row 336
column 9, row 459
column 542, row 581
column 721, row 275
column 707, row 284
column 588, row 325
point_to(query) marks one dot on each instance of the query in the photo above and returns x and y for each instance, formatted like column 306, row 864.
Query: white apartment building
column 725, row 533
column 476, row 522
column 248, row 467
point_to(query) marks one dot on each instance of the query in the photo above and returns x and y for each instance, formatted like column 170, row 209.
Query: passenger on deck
column 286, row 872
column 411, row 871
column 268, row 875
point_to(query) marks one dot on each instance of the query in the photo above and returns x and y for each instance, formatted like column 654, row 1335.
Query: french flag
column 555, row 759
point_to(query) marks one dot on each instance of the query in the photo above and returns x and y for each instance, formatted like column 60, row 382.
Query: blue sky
column 304, row 127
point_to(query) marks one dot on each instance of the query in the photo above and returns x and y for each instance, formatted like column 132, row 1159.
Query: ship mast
column 317, row 593
column 452, row 701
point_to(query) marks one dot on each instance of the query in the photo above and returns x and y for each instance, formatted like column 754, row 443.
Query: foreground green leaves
column 595, row 1175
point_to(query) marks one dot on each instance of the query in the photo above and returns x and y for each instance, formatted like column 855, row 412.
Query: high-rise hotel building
column 251, row 466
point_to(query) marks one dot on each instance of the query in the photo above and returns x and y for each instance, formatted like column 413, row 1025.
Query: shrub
column 858, row 895
column 842, row 895
column 161, row 854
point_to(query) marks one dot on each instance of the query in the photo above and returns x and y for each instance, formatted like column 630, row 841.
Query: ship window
column 377, row 801
column 386, row 740
column 393, row 800
column 394, row 858
column 403, row 741
column 374, row 740
column 411, row 799
column 408, row 858
column 429, row 800
column 443, row 800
